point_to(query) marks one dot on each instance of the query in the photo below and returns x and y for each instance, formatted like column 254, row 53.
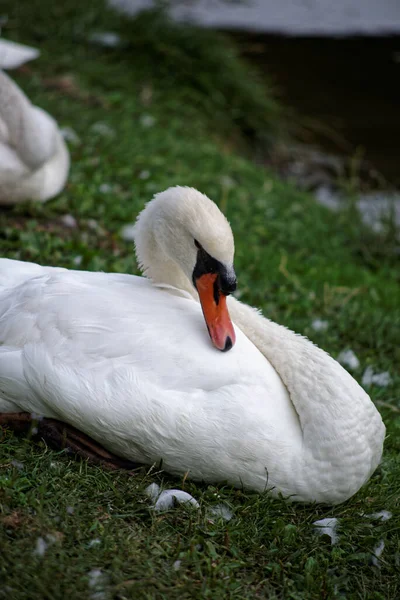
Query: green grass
column 294, row 259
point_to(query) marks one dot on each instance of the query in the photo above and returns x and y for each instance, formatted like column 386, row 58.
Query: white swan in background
column 34, row 160
column 13, row 55
column 128, row 361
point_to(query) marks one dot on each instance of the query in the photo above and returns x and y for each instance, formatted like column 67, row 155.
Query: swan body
column 128, row 361
column 34, row 160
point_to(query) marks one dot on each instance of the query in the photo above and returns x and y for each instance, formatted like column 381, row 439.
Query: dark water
column 346, row 92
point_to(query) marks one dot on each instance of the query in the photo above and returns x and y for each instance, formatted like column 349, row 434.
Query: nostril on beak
column 228, row 287
column 232, row 286
column 227, row 282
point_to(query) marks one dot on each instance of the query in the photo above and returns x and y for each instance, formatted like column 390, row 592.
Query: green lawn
column 294, row 259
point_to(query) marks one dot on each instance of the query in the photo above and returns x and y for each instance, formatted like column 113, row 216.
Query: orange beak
column 215, row 311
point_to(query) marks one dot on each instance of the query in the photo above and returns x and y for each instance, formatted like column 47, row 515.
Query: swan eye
column 196, row 243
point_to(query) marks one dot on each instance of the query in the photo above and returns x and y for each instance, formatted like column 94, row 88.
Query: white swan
column 34, row 160
column 129, row 362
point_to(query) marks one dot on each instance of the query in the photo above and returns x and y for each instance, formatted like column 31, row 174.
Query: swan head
column 183, row 239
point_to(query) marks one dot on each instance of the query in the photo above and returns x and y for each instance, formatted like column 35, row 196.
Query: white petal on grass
column 380, row 379
column 177, row 565
column 127, row 233
column 377, row 552
column 347, row 358
column 93, row 543
column 327, row 527
column 319, row 325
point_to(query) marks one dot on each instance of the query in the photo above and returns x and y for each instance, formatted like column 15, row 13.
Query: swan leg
column 61, row 436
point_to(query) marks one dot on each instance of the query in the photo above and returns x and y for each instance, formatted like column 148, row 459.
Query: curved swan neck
column 32, row 132
column 290, row 354
column 341, row 427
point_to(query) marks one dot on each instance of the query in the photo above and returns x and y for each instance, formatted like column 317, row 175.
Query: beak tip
column 228, row 344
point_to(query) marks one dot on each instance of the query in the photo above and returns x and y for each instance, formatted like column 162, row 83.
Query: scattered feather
column 107, row 39
column 226, row 181
column 41, row 547
column 17, row 464
column 327, row 527
column 70, row 510
column 382, row 515
column 70, row 135
column 128, row 233
column 98, row 596
column 103, row 129
column 95, row 577
column 152, row 491
column 52, row 539
column 97, row 581
column 220, row 511
column 347, row 358
column 147, row 121
column 319, row 325
column 168, row 498
column 105, row 188
column 92, row 224
column 377, row 552
column 69, row 221
column 177, row 565
column 93, row 543
column 380, row 379
column 77, row 260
